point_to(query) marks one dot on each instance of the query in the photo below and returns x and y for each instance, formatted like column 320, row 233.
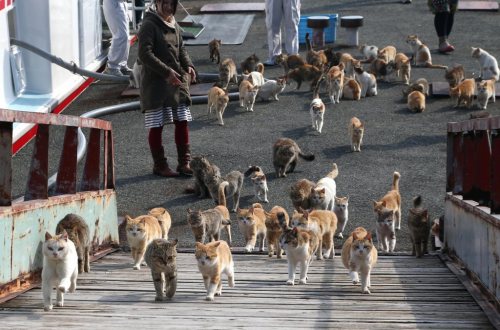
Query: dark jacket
column 160, row 49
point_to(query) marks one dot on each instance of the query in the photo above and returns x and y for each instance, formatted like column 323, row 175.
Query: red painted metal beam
column 5, row 164
column 495, row 173
column 469, row 170
column 109, row 161
column 37, row 181
column 66, row 175
column 90, row 180
column 482, row 168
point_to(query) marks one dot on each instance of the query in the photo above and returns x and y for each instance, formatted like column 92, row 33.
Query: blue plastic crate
column 330, row 31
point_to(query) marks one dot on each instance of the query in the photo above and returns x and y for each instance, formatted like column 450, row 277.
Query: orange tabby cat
column 248, row 93
column 214, row 259
column 416, row 101
column 391, row 200
column 275, row 229
column 252, row 224
column 351, row 90
column 403, row 67
column 335, row 82
column 140, row 232
column 227, row 223
column 218, row 98
column 485, row 91
column 349, row 63
column 164, row 219
column 387, row 53
column 356, row 131
column 463, row 93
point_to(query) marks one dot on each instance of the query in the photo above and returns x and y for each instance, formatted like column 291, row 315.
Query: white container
column 90, row 38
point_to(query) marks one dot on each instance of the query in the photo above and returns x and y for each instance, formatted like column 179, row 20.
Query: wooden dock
column 407, row 293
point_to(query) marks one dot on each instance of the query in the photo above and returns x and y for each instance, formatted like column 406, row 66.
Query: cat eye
column 60, row 249
column 50, row 248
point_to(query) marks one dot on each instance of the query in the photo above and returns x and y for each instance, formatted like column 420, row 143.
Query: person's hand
column 192, row 73
column 174, row 78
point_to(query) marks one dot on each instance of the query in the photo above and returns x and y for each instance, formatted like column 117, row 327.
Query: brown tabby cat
column 420, row 227
column 221, row 188
column 227, row 72
column 359, row 256
column 202, row 169
column 305, row 72
column 300, row 194
column 455, row 75
column 213, row 48
column 78, row 233
column 163, row 218
column 274, row 230
column 463, row 93
column 316, row 58
column 485, row 91
column 403, row 67
column 252, row 224
column 217, row 98
column 382, row 69
column 391, row 200
column 249, row 64
column 289, row 62
column 286, row 153
column 416, row 101
column 351, row 90
column 356, row 131
column 161, row 257
column 205, row 224
column 140, row 232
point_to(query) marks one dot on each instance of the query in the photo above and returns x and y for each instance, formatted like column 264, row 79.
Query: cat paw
column 266, row 201
column 47, row 308
column 303, row 281
column 355, row 282
column 209, row 298
column 137, row 267
column 158, row 299
column 59, row 304
column 62, row 289
column 218, row 293
column 366, row 291
column 289, row 282
column 249, row 248
column 270, row 254
column 339, row 235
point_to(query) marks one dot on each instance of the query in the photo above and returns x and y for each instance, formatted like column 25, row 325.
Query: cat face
column 300, row 220
column 246, row 216
column 412, row 40
column 289, row 238
column 260, row 181
column 164, row 251
column 476, row 52
column 362, row 247
column 206, row 255
column 318, row 196
column 386, row 218
column 341, row 203
column 136, row 228
column 55, row 247
column 195, row 218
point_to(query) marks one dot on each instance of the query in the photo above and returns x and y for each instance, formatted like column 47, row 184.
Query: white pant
column 115, row 13
column 276, row 12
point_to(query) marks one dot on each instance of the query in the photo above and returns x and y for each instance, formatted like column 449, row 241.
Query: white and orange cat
column 248, row 93
column 299, row 245
column 317, row 112
column 485, row 91
column 274, row 227
column 218, row 99
column 351, row 90
column 214, row 259
column 140, row 232
column 359, row 256
column 388, row 54
column 421, row 53
column 252, row 224
column 416, row 101
column 367, row 81
column 322, row 196
column 463, row 93
column 259, row 182
column 349, row 63
column 335, row 82
column 369, row 52
column 402, row 64
column 164, row 219
column 356, row 131
column 488, row 64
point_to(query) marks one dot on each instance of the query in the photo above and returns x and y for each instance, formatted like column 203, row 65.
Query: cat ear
column 347, row 198
column 174, row 242
column 375, row 203
column 354, row 236
column 250, row 210
column 312, row 189
column 216, row 245
column 369, row 236
column 384, row 204
column 127, row 217
column 198, row 245
column 64, row 235
column 47, row 236
column 322, row 190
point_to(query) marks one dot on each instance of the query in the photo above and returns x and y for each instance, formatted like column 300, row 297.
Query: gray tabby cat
column 286, row 153
column 202, row 169
column 341, row 211
column 78, row 233
column 161, row 257
column 206, row 224
column 230, row 185
column 420, row 227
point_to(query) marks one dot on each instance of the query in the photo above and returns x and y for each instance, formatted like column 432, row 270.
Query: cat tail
column 308, row 157
column 435, row 66
column 334, row 172
column 417, row 201
column 222, row 194
column 252, row 169
column 395, row 181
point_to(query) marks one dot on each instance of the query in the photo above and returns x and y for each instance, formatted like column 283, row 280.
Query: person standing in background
column 138, row 13
column 288, row 12
column 444, row 13
column 115, row 14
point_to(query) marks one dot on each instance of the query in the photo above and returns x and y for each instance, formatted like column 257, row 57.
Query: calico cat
column 78, row 233
column 286, row 153
column 274, row 229
column 349, row 63
column 226, row 222
column 60, row 268
column 229, row 185
column 206, row 224
column 416, row 101
column 488, row 64
column 249, row 64
column 202, row 169
column 289, row 62
column 370, row 53
column 455, row 75
column 306, row 72
column 214, row 50
column 420, row 227
column 217, row 98
column 315, row 58
column 356, row 131
column 402, row 65
column 214, row 259
column 351, row 90
column 341, row 211
column 420, row 85
column 388, row 54
column 323, row 194
column 367, row 81
column 359, row 256
column 335, row 82
column 321, row 222
column 163, row 218
column 248, row 93
column 299, row 245
column 421, row 53
column 317, row 111
column 252, row 224
column 227, row 73
column 485, row 91
column 259, row 182
column 140, row 232
column 300, row 193
column 271, row 88
column 161, row 257
column 463, row 93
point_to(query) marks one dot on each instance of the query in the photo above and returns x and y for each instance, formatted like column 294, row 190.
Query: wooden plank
column 478, row 5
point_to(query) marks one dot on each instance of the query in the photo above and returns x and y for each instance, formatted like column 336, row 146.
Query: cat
column 214, row 259
column 335, row 82
column 455, row 75
column 227, row 73
column 437, row 233
column 218, row 98
column 161, row 257
column 321, row 222
column 485, row 91
column 488, row 64
column 286, row 153
column 370, row 53
column 206, row 224
column 78, row 233
column 259, row 182
column 164, row 219
column 349, row 63
column 252, row 224
column 382, row 69
column 421, row 53
column 60, row 268
column 202, row 169
column 271, row 88
column 305, row 72
column 315, row 58
column 300, row 193
column 351, row 90
column 256, row 78
column 317, row 111
column 356, row 130
column 274, row 229
column 420, row 85
column 229, row 185
column 402, row 65
column 214, row 50
column 299, row 246
column 463, row 93
column 249, row 64
column 341, row 211
column 289, row 62
column 359, row 256
column 135, row 76
column 416, row 101
column 419, row 228
column 323, row 194
column 367, row 81
column 388, row 54
column 391, row 200
column 226, row 222
column 140, row 232
column 248, row 94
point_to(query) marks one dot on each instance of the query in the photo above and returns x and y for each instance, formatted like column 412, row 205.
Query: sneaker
column 446, row 49
column 270, row 62
column 113, row 72
column 125, row 70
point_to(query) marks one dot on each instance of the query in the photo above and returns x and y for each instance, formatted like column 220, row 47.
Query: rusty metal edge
column 474, row 210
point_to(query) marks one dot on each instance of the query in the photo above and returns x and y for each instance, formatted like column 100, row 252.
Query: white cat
column 135, row 76
column 317, row 111
column 369, row 52
column 322, row 196
column 271, row 88
column 60, row 268
column 367, row 81
column 255, row 77
column 341, row 211
column 488, row 64
column 248, row 93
